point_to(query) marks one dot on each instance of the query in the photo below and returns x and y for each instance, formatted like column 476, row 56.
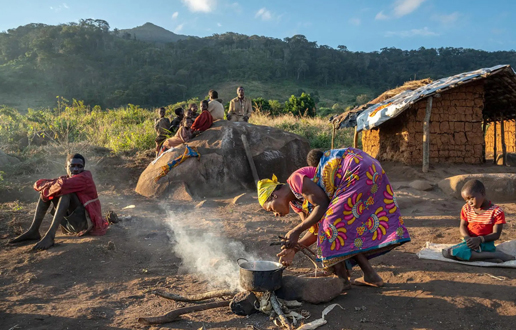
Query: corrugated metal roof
column 377, row 114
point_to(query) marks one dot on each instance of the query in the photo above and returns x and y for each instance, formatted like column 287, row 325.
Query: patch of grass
column 318, row 131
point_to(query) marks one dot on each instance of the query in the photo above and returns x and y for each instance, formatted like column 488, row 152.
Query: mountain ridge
column 150, row 32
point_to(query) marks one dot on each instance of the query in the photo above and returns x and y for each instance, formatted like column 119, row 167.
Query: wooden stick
column 494, row 146
column 174, row 315
column 504, row 148
column 484, row 128
column 355, row 138
column 333, row 136
column 277, row 308
column 250, row 159
column 426, row 136
column 195, row 297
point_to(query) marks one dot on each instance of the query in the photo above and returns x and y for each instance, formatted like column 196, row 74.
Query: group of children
column 166, row 128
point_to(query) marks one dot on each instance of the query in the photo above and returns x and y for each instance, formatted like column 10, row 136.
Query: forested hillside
column 91, row 62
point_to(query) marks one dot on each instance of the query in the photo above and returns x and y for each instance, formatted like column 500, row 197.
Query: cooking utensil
column 260, row 275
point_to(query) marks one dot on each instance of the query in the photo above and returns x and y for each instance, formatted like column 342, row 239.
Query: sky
column 366, row 25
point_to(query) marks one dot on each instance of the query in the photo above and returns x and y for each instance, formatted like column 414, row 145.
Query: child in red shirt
column 481, row 224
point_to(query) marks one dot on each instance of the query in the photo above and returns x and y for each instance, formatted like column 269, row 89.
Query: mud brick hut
column 443, row 121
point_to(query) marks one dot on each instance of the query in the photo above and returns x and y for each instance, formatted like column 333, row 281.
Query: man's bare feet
column 26, row 236
column 44, row 244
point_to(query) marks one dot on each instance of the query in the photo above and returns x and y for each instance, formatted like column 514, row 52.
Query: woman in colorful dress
column 348, row 207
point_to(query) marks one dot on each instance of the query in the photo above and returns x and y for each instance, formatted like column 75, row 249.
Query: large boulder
column 500, row 187
column 223, row 167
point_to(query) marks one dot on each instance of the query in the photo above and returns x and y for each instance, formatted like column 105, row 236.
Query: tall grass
column 129, row 128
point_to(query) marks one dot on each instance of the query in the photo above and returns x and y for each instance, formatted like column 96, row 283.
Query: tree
column 301, row 106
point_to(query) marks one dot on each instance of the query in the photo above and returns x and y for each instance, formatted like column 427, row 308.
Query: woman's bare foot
column 375, row 282
column 347, row 284
column 44, row 244
column 26, row 236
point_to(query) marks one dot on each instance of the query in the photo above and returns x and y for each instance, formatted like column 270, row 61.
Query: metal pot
column 260, row 275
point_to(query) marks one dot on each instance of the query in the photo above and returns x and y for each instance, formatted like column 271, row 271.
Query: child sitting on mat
column 481, row 224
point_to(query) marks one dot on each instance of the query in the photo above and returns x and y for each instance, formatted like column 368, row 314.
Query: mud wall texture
column 456, row 134
column 510, row 138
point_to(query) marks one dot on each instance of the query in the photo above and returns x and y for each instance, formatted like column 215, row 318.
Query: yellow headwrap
column 265, row 188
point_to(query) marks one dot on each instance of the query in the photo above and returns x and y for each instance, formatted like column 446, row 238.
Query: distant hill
column 152, row 33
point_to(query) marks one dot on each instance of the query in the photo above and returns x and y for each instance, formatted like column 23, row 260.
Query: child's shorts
column 463, row 252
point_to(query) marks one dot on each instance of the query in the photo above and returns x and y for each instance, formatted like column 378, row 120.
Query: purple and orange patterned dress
column 362, row 217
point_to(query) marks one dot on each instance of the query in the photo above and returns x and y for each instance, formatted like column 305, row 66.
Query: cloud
column 59, row 8
column 179, row 28
column 381, row 16
column 235, row 6
column 219, row 25
column 264, row 14
column 447, row 19
column 204, row 6
column 355, row 21
column 174, row 15
column 424, row 32
column 400, row 8
column 405, row 7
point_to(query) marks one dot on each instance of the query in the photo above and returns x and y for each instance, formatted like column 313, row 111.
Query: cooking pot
column 260, row 275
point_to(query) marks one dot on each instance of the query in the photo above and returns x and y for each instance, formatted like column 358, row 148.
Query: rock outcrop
column 223, row 167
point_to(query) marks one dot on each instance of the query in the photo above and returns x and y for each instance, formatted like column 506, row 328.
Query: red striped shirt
column 482, row 224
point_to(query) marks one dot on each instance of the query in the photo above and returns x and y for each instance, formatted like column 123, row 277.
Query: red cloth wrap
column 203, row 122
column 84, row 187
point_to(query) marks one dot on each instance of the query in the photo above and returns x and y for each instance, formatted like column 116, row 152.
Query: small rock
column 421, row 185
column 110, row 246
column 243, row 303
column 238, row 199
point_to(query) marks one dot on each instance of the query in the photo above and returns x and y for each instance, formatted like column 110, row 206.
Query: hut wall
column 510, row 138
column 456, row 134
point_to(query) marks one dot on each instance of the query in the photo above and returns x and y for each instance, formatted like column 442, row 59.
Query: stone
column 209, row 204
column 223, row 167
column 243, row 303
column 245, row 198
column 500, row 187
column 6, row 160
column 314, row 290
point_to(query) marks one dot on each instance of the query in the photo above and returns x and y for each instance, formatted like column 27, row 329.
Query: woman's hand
column 292, row 238
column 286, row 257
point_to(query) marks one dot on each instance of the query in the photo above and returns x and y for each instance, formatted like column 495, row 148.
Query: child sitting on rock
column 481, row 224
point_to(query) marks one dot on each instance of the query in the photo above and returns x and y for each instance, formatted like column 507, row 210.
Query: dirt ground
column 106, row 282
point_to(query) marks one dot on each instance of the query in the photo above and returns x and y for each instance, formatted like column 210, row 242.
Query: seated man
column 76, row 207
column 240, row 108
column 215, row 106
